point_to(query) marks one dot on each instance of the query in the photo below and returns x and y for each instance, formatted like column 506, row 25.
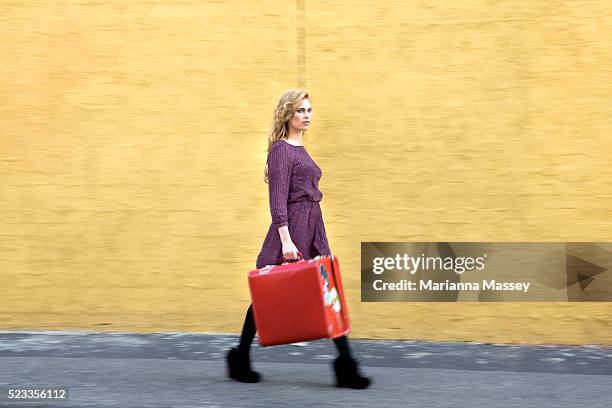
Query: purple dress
column 294, row 201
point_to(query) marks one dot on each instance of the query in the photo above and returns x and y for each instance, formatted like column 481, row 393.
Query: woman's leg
column 343, row 346
column 238, row 359
column 248, row 332
column 346, row 367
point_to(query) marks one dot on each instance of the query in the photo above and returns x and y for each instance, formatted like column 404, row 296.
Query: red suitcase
column 299, row 301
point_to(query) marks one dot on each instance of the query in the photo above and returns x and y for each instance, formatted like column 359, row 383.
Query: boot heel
column 239, row 367
column 347, row 374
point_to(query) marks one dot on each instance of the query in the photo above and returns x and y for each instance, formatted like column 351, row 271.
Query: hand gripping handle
column 300, row 258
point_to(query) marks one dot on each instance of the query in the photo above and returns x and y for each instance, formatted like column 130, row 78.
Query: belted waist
column 312, row 210
column 309, row 200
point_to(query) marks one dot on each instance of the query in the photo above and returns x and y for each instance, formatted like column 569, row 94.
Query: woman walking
column 297, row 226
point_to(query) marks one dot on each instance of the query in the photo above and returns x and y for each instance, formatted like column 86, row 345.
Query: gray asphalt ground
column 187, row 370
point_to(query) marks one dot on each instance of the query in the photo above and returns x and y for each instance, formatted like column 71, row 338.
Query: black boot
column 347, row 374
column 239, row 367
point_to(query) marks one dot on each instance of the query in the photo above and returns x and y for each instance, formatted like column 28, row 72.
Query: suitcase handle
column 300, row 258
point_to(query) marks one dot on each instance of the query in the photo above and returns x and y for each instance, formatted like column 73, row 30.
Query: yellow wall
column 133, row 141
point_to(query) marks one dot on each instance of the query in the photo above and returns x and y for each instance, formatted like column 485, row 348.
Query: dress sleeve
column 279, row 179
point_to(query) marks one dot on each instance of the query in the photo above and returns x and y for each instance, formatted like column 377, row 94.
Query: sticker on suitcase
column 330, row 295
column 266, row 269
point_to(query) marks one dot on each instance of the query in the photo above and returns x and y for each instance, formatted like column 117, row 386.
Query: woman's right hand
column 290, row 251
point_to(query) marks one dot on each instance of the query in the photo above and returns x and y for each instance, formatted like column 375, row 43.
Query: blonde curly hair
column 285, row 109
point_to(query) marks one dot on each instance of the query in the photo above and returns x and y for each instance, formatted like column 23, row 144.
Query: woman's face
column 301, row 117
